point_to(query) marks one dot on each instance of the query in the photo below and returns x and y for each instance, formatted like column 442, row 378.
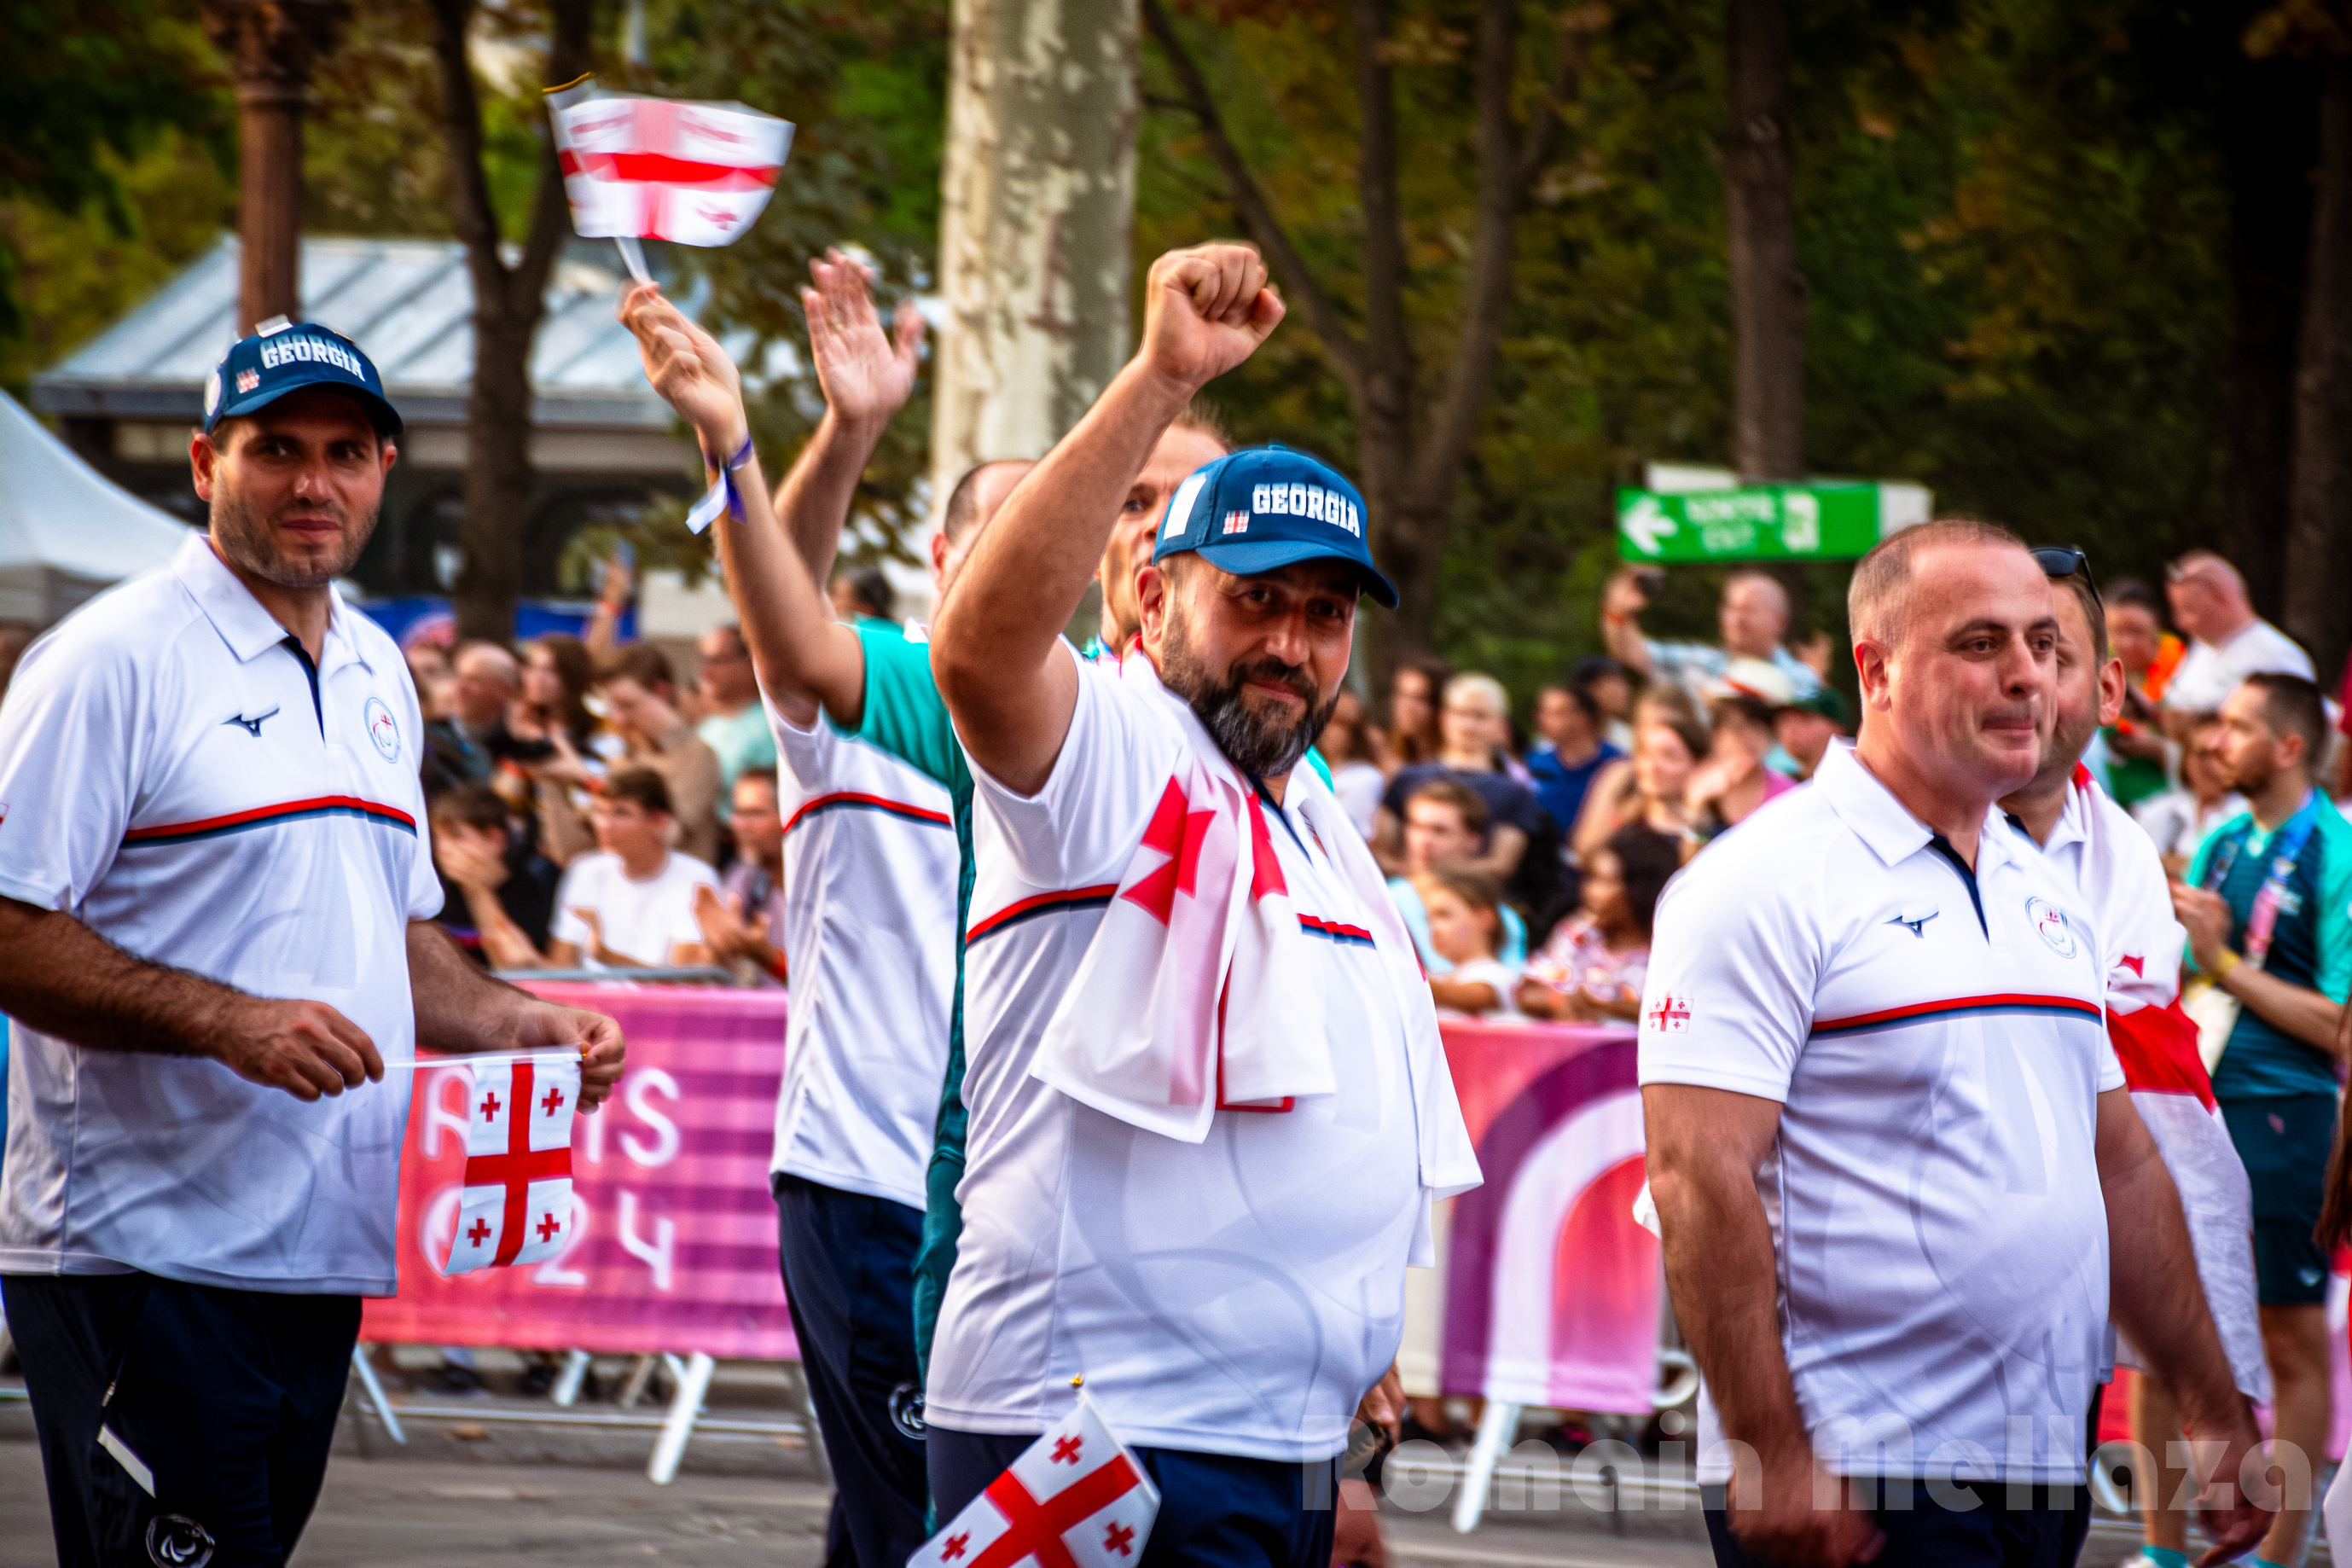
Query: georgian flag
column 1074, row 1499
column 517, row 1202
column 697, row 173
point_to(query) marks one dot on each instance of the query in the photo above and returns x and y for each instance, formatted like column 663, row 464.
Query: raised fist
column 1205, row 310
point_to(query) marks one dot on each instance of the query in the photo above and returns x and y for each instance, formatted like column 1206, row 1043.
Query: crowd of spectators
column 591, row 810
column 1529, row 874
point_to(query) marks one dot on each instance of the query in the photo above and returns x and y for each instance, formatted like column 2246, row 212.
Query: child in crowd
column 1592, row 968
column 1465, row 926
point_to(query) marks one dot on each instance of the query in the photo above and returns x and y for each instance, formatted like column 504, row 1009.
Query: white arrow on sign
column 1645, row 524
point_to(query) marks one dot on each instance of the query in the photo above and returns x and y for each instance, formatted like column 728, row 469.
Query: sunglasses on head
column 2065, row 561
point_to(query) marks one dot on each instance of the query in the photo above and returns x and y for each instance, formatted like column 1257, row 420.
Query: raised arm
column 805, row 660
column 1009, row 690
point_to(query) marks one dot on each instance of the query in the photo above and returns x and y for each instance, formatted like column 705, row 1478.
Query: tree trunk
column 508, row 304
column 273, row 48
column 1768, row 292
column 1036, row 225
column 2319, row 533
column 2268, row 139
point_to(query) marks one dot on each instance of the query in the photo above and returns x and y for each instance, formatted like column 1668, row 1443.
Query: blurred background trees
column 2058, row 258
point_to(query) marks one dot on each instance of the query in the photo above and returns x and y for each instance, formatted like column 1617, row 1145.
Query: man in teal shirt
column 2265, row 908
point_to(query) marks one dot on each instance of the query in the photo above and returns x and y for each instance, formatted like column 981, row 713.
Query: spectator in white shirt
column 1753, row 619
column 2178, row 819
column 630, row 905
column 1466, row 925
column 2228, row 642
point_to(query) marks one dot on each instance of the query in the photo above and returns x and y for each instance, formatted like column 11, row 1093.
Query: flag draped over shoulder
column 1189, row 999
column 517, row 1202
column 1074, row 1499
column 697, row 173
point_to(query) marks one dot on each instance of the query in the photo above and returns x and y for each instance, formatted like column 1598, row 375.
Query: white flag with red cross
column 1074, row 1499
column 517, row 1202
column 653, row 168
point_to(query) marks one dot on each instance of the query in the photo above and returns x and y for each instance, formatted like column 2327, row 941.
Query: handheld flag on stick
column 697, row 173
column 516, row 1206
column 1074, row 1499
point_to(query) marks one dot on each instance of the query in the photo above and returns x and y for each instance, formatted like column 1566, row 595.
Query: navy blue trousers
column 1928, row 1534
column 1215, row 1511
column 227, row 1399
column 849, row 1273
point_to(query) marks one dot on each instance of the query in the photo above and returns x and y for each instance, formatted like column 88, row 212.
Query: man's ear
column 204, row 461
column 1154, row 590
column 1873, row 665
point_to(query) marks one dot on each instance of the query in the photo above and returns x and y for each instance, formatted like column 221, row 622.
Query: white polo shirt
column 1238, row 1295
column 171, row 783
column 2114, row 864
column 1937, row 1046
column 869, row 944
column 2208, row 672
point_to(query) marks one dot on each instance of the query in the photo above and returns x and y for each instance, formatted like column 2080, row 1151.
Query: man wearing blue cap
column 216, row 897
column 1209, row 1110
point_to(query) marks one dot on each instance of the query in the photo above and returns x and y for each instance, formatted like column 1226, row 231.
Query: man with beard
column 1208, row 1106
column 2115, row 864
column 215, row 893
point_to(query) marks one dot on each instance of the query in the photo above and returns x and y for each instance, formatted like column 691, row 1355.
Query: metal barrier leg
column 693, row 1383
column 1495, row 1430
column 567, row 1381
column 368, row 1380
column 817, row 1455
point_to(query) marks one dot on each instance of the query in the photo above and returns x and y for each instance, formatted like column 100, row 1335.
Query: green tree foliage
column 115, row 125
column 2009, row 215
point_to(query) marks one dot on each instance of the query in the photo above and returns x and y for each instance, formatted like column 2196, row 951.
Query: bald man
column 467, row 746
column 2228, row 642
column 1753, row 618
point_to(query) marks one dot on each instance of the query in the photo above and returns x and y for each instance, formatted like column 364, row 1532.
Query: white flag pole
column 633, row 256
column 506, row 1059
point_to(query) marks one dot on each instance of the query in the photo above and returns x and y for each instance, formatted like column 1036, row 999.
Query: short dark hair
column 869, row 590
column 2132, row 591
column 1648, row 860
column 2294, row 706
column 1874, row 599
column 1585, row 702
column 471, row 806
column 1594, row 667
column 643, row 787
column 761, row 776
column 1457, row 794
column 1742, row 707
column 963, row 502
column 641, row 662
column 2094, row 611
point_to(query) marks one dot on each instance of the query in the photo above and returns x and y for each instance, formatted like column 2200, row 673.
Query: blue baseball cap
column 1264, row 509
column 283, row 357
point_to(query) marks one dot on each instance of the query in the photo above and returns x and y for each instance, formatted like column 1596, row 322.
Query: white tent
column 66, row 532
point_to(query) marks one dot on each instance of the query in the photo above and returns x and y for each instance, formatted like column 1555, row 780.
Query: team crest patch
column 2050, row 925
column 1672, row 1015
column 247, row 380
column 381, row 730
column 1236, row 522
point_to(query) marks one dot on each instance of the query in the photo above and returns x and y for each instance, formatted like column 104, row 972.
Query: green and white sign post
column 1822, row 520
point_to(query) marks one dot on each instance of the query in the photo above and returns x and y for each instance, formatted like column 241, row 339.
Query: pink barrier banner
column 676, row 1248
column 1551, row 1291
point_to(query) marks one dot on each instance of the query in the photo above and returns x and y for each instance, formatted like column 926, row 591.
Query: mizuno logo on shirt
column 1915, row 924
column 252, row 726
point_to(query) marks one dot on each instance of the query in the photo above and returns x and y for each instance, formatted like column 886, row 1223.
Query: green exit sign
column 1823, row 521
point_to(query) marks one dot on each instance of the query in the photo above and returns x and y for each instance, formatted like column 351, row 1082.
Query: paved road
column 512, row 1497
